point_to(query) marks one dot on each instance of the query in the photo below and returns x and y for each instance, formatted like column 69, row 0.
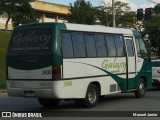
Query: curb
column 3, row 92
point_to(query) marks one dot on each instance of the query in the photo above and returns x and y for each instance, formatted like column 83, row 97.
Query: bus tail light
column 56, row 72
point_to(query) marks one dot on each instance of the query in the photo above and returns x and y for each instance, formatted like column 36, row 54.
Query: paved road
column 117, row 102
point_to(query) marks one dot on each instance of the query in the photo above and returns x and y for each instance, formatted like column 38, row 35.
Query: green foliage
column 127, row 20
column 157, row 9
column 19, row 10
column 82, row 13
column 25, row 14
column 152, row 30
column 124, row 18
column 120, row 7
column 104, row 15
column 4, row 38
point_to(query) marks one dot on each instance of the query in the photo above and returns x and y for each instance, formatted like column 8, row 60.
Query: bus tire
column 91, row 98
column 48, row 102
column 140, row 92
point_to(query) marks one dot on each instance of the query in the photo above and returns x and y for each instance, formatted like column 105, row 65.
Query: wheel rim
column 141, row 88
column 92, row 96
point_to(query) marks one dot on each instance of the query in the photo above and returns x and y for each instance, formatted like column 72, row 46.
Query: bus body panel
column 143, row 62
column 60, row 89
column 43, row 73
column 93, row 67
column 77, row 88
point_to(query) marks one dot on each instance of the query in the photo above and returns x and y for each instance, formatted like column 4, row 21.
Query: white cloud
column 148, row 4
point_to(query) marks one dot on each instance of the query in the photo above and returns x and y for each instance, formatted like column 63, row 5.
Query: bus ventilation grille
column 113, row 88
column 118, row 88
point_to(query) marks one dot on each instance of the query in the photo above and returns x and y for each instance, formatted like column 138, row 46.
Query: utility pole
column 113, row 12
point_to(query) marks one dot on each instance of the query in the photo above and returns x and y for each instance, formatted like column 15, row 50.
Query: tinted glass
column 155, row 63
column 138, row 49
column 129, row 47
column 142, row 46
column 78, row 44
column 101, row 45
column 111, row 45
column 119, row 45
column 67, row 48
column 31, row 40
column 90, row 45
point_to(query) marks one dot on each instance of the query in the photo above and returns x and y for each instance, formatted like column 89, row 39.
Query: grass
column 4, row 39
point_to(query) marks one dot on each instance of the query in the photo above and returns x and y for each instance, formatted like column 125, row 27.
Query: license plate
column 29, row 93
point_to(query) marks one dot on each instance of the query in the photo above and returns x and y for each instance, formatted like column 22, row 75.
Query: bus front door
column 131, row 63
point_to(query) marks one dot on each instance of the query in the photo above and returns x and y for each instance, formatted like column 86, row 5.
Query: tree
column 19, row 10
column 126, row 20
column 104, row 13
column 82, row 13
column 152, row 30
column 124, row 17
column 25, row 14
column 157, row 9
column 104, row 16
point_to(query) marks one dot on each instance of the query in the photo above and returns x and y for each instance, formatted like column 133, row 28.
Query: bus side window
column 67, row 48
column 119, row 45
column 78, row 44
column 130, row 49
column 138, row 49
column 111, row 45
column 90, row 45
column 100, row 45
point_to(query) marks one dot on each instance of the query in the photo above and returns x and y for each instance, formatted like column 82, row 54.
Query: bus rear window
column 33, row 40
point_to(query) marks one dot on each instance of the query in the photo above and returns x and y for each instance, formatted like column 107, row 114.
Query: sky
column 134, row 4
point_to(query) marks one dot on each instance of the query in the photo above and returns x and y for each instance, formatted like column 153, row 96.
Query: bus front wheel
column 140, row 92
column 91, row 98
column 48, row 102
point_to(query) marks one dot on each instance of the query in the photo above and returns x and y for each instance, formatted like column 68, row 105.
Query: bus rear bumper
column 33, row 93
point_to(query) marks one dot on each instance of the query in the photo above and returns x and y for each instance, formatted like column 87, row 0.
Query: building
column 47, row 12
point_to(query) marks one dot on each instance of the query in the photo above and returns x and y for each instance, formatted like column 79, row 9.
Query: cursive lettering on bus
column 33, row 38
column 117, row 65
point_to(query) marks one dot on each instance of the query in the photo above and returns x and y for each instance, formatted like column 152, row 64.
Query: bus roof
column 87, row 28
column 98, row 28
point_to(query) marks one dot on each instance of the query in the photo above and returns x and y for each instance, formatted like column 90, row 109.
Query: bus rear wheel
column 140, row 92
column 48, row 102
column 91, row 98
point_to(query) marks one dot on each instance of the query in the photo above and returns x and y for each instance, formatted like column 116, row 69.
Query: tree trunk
column 8, row 19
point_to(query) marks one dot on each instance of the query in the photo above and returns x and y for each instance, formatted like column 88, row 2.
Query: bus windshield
column 32, row 40
column 155, row 63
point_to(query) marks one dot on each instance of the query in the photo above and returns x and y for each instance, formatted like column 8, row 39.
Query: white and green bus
column 62, row 61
